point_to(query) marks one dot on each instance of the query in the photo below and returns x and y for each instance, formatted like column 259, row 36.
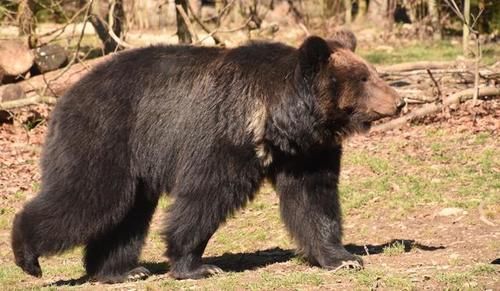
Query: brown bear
column 206, row 125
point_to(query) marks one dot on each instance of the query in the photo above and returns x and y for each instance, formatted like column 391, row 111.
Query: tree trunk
column 116, row 20
column 362, row 8
column 182, row 29
column 379, row 13
column 465, row 40
column 434, row 15
column 348, row 12
column 26, row 21
column 116, row 17
column 327, row 8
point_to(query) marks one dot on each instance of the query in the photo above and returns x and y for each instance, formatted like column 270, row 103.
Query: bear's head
column 346, row 89
column 330, row 94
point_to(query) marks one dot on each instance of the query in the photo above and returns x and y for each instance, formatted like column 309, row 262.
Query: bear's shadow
column 240, row 262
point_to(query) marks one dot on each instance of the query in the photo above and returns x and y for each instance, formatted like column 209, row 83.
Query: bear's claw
column 202, row 271
column 139, row 273
column 351, row 265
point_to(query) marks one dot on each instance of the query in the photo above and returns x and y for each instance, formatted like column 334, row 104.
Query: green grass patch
column 430, row 51
column 395, row 249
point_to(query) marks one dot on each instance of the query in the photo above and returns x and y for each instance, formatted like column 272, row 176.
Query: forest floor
column 421, row 206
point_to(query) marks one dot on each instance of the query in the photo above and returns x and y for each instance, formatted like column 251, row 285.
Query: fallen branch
column 56, row 82
column 27, row 101
column 424, row 65
column 432, row 108
column 482, row 215
column 423, row 72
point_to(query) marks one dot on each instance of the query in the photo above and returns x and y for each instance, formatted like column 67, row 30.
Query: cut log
column 432, row 108
column 11, row 92
column 55, row 83
column 15, row 57
column 50, row 57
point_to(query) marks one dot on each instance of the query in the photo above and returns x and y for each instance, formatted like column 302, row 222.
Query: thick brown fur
column 205, row 125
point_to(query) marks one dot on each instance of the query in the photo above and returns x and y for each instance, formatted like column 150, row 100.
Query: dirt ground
column 415, row 227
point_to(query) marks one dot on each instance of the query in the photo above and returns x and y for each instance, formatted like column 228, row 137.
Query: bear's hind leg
column 113, row 257
column 193, row 219
column 24, row 253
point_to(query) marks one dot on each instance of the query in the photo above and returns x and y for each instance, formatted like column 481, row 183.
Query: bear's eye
column 364, row 79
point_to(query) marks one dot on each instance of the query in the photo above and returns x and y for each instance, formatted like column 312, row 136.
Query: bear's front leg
column 309, row 202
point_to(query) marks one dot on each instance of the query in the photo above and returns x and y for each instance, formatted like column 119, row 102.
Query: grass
column 392, row 180
column 444, row 50
column 467, row 279
column 434, row 171
column 395, row 249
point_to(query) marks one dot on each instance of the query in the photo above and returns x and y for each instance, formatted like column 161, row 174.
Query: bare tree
column 348, row 12
column 327, row 8
column 26, row 20
column 182, row 29
column 469, row 27
column 434, row 17
column 382, row 12
column 466, row 23
column 110, row 32
column 362, row 8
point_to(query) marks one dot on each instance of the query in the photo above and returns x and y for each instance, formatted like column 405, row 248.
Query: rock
column 11, row 92
column 451, row 211
column 15, row 57
column 50, row 57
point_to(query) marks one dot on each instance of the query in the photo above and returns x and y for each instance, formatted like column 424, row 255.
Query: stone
column 50, row 57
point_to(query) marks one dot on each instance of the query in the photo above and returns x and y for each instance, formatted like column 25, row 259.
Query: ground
column 421, row 205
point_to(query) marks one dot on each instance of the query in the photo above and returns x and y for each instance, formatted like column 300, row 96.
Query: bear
column 207, row 125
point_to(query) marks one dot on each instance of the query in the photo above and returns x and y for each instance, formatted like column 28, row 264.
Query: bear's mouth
column 365, row 120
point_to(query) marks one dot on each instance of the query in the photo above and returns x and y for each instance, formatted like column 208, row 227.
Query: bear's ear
column 313, row 53
column 343, row 38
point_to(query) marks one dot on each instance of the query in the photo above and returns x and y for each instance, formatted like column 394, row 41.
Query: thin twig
column 482, row 216
column 78, row 45
column 111, row 20
column 476, row 71
column 366, row 250
column 435, row 84
column 476, row 18
column 203, row 26
column 70, row 21
column 188, row 23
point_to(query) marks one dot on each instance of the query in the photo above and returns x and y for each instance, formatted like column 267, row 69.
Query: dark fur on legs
column 24, row 253
column 113, row 256
column 309, row 202
column 215, row 191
